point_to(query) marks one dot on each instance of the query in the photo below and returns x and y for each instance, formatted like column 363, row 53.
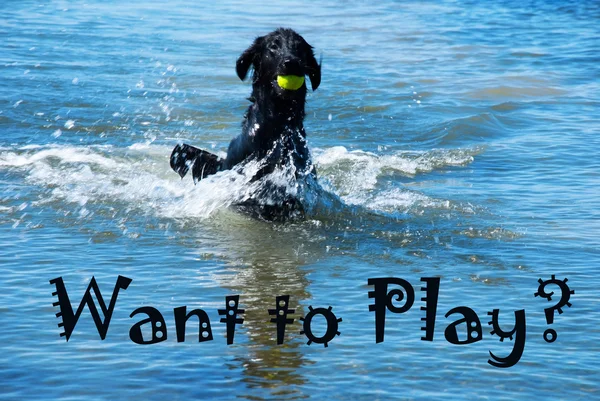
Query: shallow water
column 452, row 139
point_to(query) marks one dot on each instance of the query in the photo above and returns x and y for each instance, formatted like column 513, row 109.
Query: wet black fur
column 275, row 114
column 272, row 130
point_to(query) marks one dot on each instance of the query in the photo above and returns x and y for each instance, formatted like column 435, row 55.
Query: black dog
column 272, row 130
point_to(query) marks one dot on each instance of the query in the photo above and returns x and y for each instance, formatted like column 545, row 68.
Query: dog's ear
column 314, row 71
column 249, row 58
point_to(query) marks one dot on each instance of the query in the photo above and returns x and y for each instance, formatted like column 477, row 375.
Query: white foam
column 408, row 163
column 139, row 176
column 354, row 175
column 62, row 154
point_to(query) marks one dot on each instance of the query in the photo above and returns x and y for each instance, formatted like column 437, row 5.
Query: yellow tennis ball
column 290, row 82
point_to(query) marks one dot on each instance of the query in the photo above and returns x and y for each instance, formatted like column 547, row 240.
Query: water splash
column 139, row 177
column 355, row 175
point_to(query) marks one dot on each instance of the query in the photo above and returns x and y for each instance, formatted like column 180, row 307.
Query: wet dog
column 272, row 130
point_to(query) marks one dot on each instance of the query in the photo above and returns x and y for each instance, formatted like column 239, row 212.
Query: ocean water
column 452, row 139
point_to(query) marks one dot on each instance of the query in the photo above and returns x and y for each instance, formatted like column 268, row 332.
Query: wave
column 139, row 177
column 355, row 175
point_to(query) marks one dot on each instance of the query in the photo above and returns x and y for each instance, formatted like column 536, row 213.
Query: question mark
column 550, row 334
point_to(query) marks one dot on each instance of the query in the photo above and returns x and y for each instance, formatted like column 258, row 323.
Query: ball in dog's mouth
column 290, row 82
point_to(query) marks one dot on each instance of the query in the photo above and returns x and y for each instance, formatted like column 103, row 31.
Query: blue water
column 452, row 139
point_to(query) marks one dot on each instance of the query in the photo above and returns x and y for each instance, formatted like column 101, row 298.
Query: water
column 452, row 139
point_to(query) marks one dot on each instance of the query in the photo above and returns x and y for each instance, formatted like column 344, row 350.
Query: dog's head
column 281, row 59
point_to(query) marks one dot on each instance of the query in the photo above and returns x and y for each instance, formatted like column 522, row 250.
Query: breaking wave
column 139, row 177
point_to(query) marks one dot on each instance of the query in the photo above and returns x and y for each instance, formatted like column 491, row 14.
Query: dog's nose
column 292, row 66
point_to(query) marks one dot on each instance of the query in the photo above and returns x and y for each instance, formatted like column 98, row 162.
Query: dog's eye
column 274, row 46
